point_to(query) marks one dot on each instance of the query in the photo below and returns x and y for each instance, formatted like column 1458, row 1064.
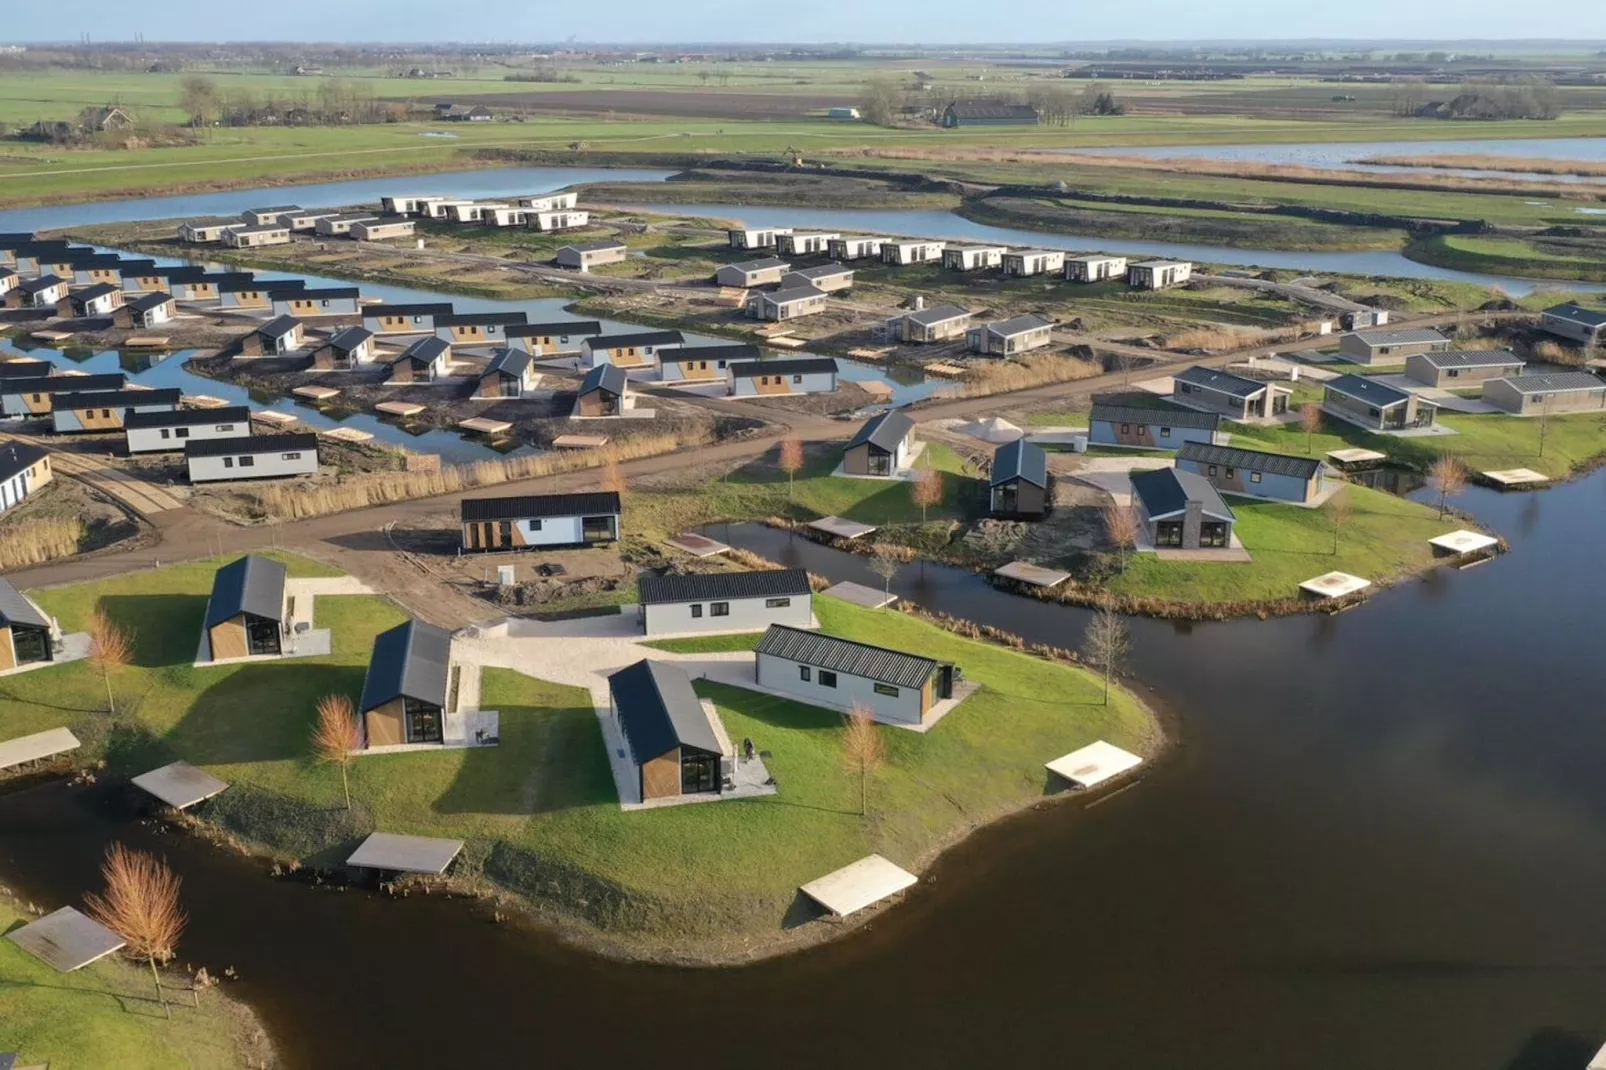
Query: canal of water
column 1379, row 843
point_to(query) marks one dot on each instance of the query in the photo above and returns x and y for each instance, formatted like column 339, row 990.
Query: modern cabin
column 1234, row 396
column 604, row 392
column 725, row 601
column 405, row 692
column 166, row 432
column 107, row 410
column 1180, row 510
column 425, row 361
column 27, row 634
column 881, row 447
column 539, row 520
column 940, row 323
column 1018, row 487
column 1390, row 347
column 823, row 670
column 798, row 375
column 1254, row 473
column 352, row 347
column 1150, row 429
column 703, row 364
column 670, row 739
column 1376, row 406
column 477, row 328
column 551, row 339
column 1459, row 368
column 248, row 614
column 1547, row 395
column 637, row 350
column 145, row 310
column 1005, row 338
column 281, row 335
column 251, row 457
column 510, row 374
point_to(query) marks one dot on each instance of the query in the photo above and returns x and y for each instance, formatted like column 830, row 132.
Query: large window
column 423, row 721
column 827, row 678
column 30, row 644
column 719, row 609
column 1168, row 533
column 261, row 636
column 696, row 609
column 1213, row 534
column 699, row 772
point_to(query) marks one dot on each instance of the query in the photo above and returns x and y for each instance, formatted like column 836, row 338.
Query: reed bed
column 1023, row 373
column 1228, row 338
column 1476, row 162
column 34, row 542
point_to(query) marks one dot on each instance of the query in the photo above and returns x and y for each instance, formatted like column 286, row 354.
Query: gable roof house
column 335, row 226
column 24, row 468
column 583, row 256
column 824, row 670
column 1111, row 424
column 247, row 615
column 257, row 217
column 1450, row 368
column 1254, row 473
column 351, row 347
column 795, row 375
column 1181, row 510
column 1375, row 406
column 278, row 336
column 253, row 237
column 1018, row 487
column 881, row 447
column 404, row 318
column 404, row 692
column 9, row 280
column 305, row 218
column 510, row 373
column 786, row 304
column 36, row 396
column 1234, row 396
column 694, row 364
column 669, row 734
column 145, row 310
column 251, row 457
column 827, row 278
column 551, row 339
column 639, row 349
column 1005, row 338
column 725, row 601
column 1022, row 263
column 751, row 273
column 989, row 113
column 48, row 291
column 1547, row 395
column 425, row 361
column 161, row 432
column 107, row 410
column 203, row 231
column 27, row 633
column 476, row 328
column 101, row 299
column 936, row 324
column 515, row 523
column 1390, row 347
column 604, row 392
column 1586, row 326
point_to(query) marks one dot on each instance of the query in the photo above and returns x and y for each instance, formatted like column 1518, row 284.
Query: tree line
column 884, row 101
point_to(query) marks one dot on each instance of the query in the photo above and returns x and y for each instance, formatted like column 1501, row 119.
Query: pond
column 1380, row 842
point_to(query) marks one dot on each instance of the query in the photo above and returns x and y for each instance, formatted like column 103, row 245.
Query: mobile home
column 587, row 255
column 539, row 520
column 107, row 410
column 701, row 364
column 551, row 339
column 1005, row 338
column 1546, row 395
column 881, row 447
column 639, row 350
column 323, row 301
column 936, row 324
column 857, row 248
column 252, row 457
column 786, row 304
column 1376, row 406
column 824, row 670
column 1094, row 268
column 765, row 272
column 1026, row 262
column 1151, row 429
column 551, row 221
column 797, row 375
column 476, row 328
column 1390, row 347
column 973, row 257
column 164, row 432
column 1233, row 396
column 202, row 233
column 827, row 278
column 725, row 601
column 806, row 243
column 1255, row 473
column 905, row 251
column 404, row 319
column 756, row 237
column 382, row 229
column 256, row 236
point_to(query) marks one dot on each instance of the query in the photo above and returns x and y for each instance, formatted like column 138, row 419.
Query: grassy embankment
column 106, row 1015
column 1559, row 258
column 539, row 812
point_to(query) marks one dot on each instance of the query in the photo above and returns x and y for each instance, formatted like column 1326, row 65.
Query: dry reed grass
column 1023, row 373
column 37, row 541
column 1476, row 162
column 1228, row 338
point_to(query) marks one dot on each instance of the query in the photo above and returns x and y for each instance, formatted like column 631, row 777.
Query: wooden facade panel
column 772, row 384
column 108, row 419
column 385, row 724
column 228, row 639
column 660, row 776
column 8, row 655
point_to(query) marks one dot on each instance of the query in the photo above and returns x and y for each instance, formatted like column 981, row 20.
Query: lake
column 1380, row 842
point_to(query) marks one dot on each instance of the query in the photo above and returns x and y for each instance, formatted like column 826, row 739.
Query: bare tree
column 1339, row 511
column 864, row 750
column 791, row 461
column 1449, row 477
column 1122, row 528
column 1106, row 644
column 199, row 96
column 878, row 101
column 884, row 562
column 111, row 648
column 613, row 477
column 141, row 905
column 336, row 737
column 1310, row 421
column 928, row 490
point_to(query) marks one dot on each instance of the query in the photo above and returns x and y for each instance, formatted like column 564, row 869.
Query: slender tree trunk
column 1106, row 682
column 864, row 791
column 345, row 784
column 157, row 977
column 111, row 703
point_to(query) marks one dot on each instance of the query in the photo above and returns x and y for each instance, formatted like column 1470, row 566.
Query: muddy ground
column 687, row 103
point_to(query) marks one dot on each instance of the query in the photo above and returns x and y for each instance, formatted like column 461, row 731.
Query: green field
column 539, row 811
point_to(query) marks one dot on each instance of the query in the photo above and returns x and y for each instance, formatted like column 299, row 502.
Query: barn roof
column 845, row 655
column 658, row 711
column 253, row 585
column 408, row 661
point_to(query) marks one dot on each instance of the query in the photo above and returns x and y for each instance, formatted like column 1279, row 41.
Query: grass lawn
column 540, row 811
column 104, row 1015
column 707, row 644
column 1386, row 536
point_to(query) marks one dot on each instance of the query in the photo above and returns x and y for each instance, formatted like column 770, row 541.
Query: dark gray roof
column 19, row 457
column 426, row 349
column 795, row 366
column 641, row 338
column 278, row 327
column 146, row 302
column 991, row 109
column 772, row 583
column 225, row 447
column 884, row 431
column 276, row 208
column 609, row 377
column 427, row 308
column 845, row 655
column 1368, row 390
column 533, row 506
column 1584, row 317
column 261, row 228
column 558, row 327
column 234, row 414
column 1403, row 336
column 824, row 271
column 25, row 369
column 112, row 399
column 1166, row 491
column 64, row 384
column 350, row 338
column 480, row 319
column 507, row 362
column 1132, row 414
column 1018, row 325
column 658, row 711
column 100, row 289
column 15, row 609
column 792, row 293
column 324, row 293
column 1471, row 358
column 1020, row 460
column 41, row 284
column 1561, row 381
column 734, row 351
column 926, row 317
column 248, row 283
column 761, row 265
column 1221, row 382
column 411, row 660
column 594, row 246
column 1279, row 464
column 253, row 585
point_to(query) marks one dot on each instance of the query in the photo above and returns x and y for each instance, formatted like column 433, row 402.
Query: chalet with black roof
column 510, row 374
column 551, row 339
column 107, row 410
column 425, row 361
column 348, row 348
column 791, row 375
column 1234, row 396
column 1180, row 510
column 36, row 397
column 1114, row 424
column 145, row 310
column 1256, row 474
column 669, row 735
column 1376, row 406
column 725, row 601
column 416, row 318
column 825, row 670
column 516, row 523
column 476, row 328
column 161, row 432
column 703, row 364
column 247, row 615
column 251, row 457
column 404, row 694
column 27, row 634
column 604, row 392
column 24, row 469
column 881, row 447
column 1018, row 487
column 275, row 338
column 638, row 349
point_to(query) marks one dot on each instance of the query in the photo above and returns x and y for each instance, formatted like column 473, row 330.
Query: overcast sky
column 925, row 21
